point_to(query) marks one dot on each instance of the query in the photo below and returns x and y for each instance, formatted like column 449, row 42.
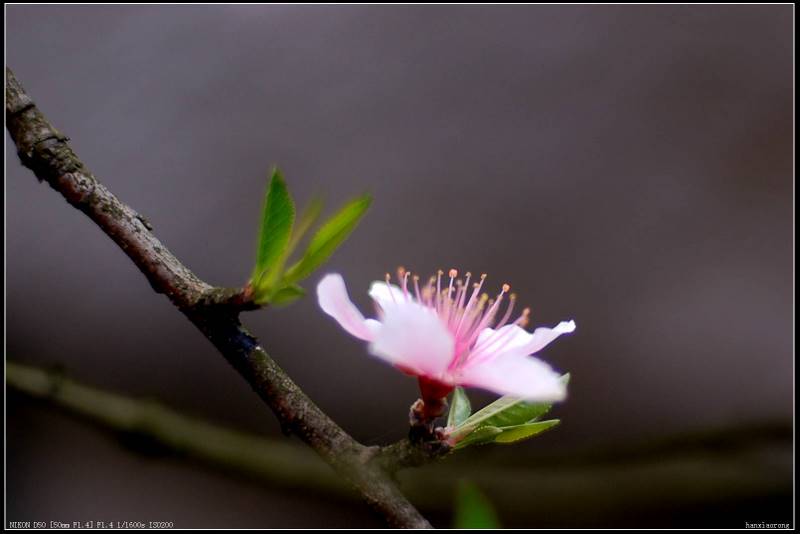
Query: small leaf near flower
column 481, row 436
column 460, row 408
column 504, row 412
column 513, row 434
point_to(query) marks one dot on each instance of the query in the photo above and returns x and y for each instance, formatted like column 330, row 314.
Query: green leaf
column 505, row 411
column 328, row 238
column 473, row 509
column 277, row 218
column 481, row 436
column 307, row 219
column 270, row 288
column 286, row 294
column 513, row 434
column 459, row 408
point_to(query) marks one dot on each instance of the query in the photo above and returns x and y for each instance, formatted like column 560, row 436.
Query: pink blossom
column 448, row 336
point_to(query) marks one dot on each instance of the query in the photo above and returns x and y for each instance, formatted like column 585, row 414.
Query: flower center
column 465, row 313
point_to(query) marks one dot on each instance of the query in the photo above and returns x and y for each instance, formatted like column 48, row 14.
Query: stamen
column 523, row 319
column 416, row 288
column 480, row 351
column 507, row 315
column 427, row 295
column 463, row 294
column 456, row 308
column 389, row 287
column 439, row 289
column 476, row 289
column 453, row 273
column 405, row 282
column 430, row 292
column 488, row 316
column 475, row 292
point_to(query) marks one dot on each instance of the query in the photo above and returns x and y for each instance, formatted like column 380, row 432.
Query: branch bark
column 214, row 311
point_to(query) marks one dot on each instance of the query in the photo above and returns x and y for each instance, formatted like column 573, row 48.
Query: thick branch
column 406, row 453
column 45, row 151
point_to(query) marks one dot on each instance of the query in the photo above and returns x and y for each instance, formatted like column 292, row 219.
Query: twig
column 278, row 461
column 45, row 151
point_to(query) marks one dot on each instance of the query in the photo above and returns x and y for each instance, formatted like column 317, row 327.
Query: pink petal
column 519, row 376
column 504, row 338
column 542, row 337
column 386, row 294
column 514, row 339
column 333, row 299
column 413, row 337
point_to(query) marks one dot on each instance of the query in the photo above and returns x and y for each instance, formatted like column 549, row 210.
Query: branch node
column 230, row 300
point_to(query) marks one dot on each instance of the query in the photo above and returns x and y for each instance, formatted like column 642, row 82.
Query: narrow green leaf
column 481, row 436
column 267, row 285
column 473, row 509
column 286, row 294
column 328, row 238
column 505, row 411
column 277, row 218
column 513, row 434
column 307, row 219
column 459, row 408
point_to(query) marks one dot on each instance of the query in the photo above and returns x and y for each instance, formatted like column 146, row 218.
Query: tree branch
column 278, row 461
column 45, row 151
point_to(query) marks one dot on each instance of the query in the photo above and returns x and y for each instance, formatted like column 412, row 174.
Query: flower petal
column 413, row 337
column 373, row 326
column 504, row 338
column 542, row 336
column 514, row 339
column 333, row 299
column 516, row 375
column 386, row 294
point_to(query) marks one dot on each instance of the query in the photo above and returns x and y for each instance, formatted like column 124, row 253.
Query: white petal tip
column 566, row 327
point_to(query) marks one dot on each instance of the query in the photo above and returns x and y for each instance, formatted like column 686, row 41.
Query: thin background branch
column 702, row 469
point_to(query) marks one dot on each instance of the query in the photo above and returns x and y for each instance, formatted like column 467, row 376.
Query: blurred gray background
column 626, row 167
